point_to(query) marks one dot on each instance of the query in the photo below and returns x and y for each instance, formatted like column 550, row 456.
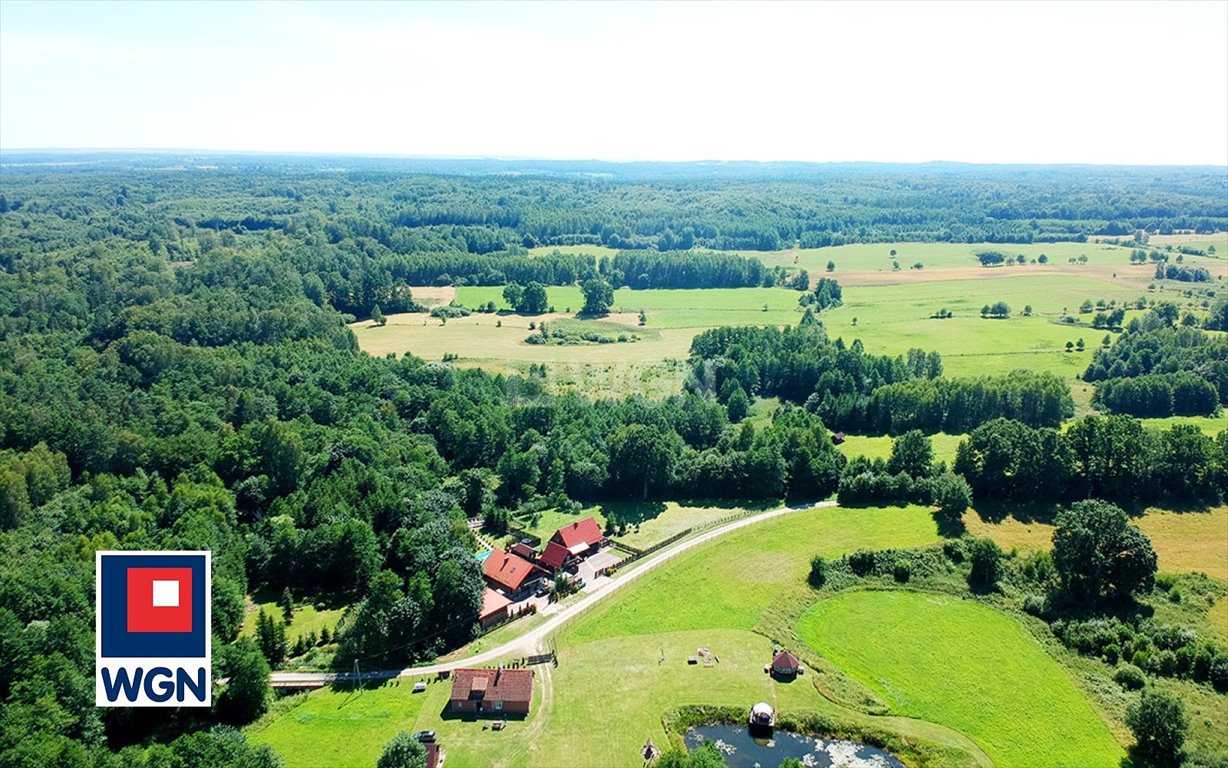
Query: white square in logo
column 165, row 594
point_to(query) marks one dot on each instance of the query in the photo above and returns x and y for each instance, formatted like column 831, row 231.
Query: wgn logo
column 152, row 626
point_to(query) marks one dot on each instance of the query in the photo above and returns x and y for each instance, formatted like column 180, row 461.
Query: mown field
column 965, row 665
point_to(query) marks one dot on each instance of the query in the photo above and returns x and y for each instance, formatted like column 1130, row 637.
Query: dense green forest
column 175, row 372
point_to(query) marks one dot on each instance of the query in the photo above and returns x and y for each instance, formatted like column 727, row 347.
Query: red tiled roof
column 506, row 686
column 506, row 570
column 492, row 603
column 555, row 555
column 432, row 755
column 585, row 531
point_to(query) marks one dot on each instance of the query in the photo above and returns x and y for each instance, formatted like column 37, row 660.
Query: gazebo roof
column 785, row 662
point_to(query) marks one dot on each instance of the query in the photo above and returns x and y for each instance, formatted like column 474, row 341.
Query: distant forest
column 362, row 225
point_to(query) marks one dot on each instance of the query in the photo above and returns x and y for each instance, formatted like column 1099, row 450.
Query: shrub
column 818, row 571
column 902, row 572
column 1129, row 677
column 954, row 550
column 1036, row 605
column 861, row 562
column 1112, row 653
column 1158, row 723
column 986, row 559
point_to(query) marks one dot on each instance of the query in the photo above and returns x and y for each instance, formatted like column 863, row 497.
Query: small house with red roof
column 513, row 576
column 580, row 539
column 494, row 608
column 491, row 691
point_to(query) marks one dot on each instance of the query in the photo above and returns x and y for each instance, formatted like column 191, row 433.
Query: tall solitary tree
column 1099, row 556
column 598, row 297
column 911, row 453
column 246, row 694
column 533, row 301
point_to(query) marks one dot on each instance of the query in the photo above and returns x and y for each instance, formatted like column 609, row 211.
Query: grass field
column 1184, row 541
column 307, row 618
column 879, row 446
column 1218, row 618
column 321, row 730
column 889, row 311
column 963, row 665
column 734, row 582
column 1211, row 425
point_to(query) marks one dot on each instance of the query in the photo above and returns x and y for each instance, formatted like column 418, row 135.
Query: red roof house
column 492, row 691
column 508, row 572
column 494, row 608
column 554, row 556
column 579, row 537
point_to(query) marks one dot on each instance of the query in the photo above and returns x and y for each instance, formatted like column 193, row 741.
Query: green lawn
column 343, row 728
column 964, row 665
column 879, row 446
column 735, row 581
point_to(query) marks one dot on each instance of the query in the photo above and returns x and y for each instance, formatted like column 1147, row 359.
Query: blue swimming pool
column 483, row 555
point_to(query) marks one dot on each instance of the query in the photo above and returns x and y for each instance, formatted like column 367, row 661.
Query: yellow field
column 1184, row 541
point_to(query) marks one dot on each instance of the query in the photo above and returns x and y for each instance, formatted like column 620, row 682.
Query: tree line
column 1158, row 369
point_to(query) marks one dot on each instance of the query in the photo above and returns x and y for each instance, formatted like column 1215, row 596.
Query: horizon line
column 531, row 158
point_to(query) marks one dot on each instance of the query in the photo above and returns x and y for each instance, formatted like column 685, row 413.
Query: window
column 498, row 705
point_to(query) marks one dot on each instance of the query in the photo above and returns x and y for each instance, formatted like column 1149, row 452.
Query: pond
column 741, row 750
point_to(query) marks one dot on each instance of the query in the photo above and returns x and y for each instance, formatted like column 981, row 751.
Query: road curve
column 531, row 642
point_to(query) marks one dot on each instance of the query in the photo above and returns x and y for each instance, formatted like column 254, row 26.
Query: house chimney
column 498, row 674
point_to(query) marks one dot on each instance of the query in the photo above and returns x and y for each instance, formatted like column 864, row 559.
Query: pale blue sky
column 1123, row 82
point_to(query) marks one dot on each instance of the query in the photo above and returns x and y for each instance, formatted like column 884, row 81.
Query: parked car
column 426, row 737
column 542, row 590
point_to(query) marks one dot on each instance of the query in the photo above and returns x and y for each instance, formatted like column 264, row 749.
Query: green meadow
column 964, row 665
column 889, row 311
column 307, row 618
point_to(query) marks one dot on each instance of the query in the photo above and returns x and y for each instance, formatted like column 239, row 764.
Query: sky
column 1033, row 82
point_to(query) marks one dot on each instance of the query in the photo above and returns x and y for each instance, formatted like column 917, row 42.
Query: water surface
column 741, row 750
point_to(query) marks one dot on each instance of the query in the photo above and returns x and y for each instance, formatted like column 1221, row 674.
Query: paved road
column 532, row 642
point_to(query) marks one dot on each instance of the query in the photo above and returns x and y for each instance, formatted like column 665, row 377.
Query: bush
column 1129, row 677
column 861, row 562
column 1112, row 653
column 818, row 571
column 986, row 559
column 954, row 550
column 902, row 572
column 1158, row 724
column 1036, row 605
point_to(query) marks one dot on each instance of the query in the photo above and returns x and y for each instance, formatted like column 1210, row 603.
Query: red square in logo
column 159, row 599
